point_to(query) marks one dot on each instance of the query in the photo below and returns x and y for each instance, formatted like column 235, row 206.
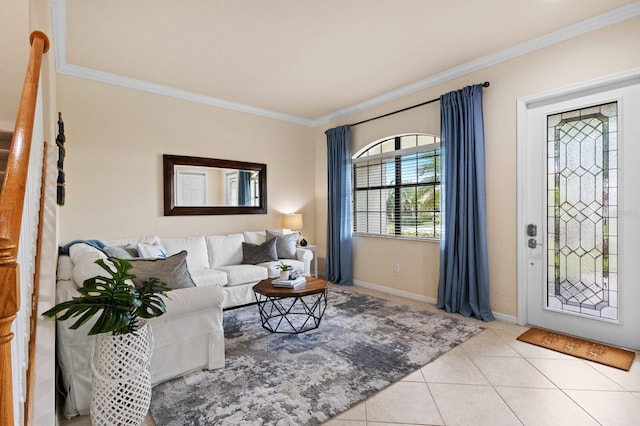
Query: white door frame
column 523, row 105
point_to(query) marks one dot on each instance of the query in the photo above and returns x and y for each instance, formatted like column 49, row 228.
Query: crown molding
column 580, row 28
column 172, row 92
column 59, row 14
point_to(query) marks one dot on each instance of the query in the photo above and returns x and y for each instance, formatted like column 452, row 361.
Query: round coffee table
column 291, row 310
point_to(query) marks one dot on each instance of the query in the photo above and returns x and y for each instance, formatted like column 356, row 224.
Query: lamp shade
column 292, row 221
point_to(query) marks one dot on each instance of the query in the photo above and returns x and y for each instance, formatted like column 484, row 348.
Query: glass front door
column 580, row 207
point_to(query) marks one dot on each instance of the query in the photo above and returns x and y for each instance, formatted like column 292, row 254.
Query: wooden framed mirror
column 210, row 186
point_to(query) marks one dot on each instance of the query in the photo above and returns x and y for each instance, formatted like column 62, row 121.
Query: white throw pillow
column 152, row 251
column 83, row 258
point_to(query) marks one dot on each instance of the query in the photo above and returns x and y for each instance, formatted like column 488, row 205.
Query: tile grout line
column 558, row 386
column 491, row 384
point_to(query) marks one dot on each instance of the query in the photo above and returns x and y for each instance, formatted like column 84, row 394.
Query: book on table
column 289, row 283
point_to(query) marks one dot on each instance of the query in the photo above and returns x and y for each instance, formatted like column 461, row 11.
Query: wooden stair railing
column 11, row 205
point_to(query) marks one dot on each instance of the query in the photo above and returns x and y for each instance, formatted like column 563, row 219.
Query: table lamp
column 293, row 221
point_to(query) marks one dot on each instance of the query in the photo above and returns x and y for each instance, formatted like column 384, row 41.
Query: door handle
column 533, row 243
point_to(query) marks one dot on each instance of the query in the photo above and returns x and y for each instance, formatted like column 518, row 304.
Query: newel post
column 10, row 297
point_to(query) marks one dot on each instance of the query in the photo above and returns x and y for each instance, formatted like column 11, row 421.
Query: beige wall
column 116, row 136
column 115, row 141
column 610, row 50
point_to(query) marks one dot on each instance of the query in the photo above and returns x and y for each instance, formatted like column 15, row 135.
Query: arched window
column 396, row 187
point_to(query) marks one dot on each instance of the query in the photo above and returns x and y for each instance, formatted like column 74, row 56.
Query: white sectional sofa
column 189, row 336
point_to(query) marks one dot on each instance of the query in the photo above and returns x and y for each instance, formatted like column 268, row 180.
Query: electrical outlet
column 396, row 268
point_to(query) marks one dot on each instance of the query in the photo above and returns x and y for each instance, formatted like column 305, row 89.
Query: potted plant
column 284, row 270
column 121, row 388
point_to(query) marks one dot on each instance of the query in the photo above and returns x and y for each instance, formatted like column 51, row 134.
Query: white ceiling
column 307, row 61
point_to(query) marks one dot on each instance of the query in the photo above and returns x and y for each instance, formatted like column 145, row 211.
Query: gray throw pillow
column 118, row 252
column 285, row 243
column 171, row 270
column 258, row 253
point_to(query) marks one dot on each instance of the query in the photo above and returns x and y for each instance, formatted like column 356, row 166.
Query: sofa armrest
column 305, row 256
column 193, row 299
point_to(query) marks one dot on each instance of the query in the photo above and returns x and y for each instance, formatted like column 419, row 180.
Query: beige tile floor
column 493, row 379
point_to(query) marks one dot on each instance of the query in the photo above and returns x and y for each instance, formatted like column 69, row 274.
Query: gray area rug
column 363, row 344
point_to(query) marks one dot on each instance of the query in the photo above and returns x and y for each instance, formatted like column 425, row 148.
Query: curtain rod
column 485, row 84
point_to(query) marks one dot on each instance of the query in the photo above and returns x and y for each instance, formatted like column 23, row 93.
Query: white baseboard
column 395, row 292
column 420, row 298
column 505, row 318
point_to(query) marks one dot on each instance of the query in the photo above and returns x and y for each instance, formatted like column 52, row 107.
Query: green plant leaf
column 150, row 295
column 116, row 302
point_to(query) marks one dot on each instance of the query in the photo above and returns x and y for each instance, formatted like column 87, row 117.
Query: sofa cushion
column 171, row 271
column 196, row 247
column 152, row 251
column 243, row 274
column 207, row 277
column 285, row 243
column 274, row 272
column 255, row 237
column 225, row 249
column 65, row 269
column 257, row 253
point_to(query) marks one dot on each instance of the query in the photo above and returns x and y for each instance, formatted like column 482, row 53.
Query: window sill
column 399, row 237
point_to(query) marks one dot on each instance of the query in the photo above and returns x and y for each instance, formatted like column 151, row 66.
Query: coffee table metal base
column 291, row 314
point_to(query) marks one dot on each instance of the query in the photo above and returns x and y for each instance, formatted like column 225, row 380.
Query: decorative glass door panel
column 582, row 211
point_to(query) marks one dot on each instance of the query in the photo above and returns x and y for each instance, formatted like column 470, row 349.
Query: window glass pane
column 408, row 142
column 374, row 150
column 389, row 170
column 409, row 224
column 373, row 202
column 408, row 200
column 388, row 146
column 361, row 222
column 409, row 167
column 426, row 198
column 427, row 170
column 426, row 139
column 374, row 223
column 360, row 175
column 361, row 201
column 375, row 173
column 388, row 200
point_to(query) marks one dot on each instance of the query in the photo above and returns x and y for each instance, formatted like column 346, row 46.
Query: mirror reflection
column 213, row 186
column 195, row 185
